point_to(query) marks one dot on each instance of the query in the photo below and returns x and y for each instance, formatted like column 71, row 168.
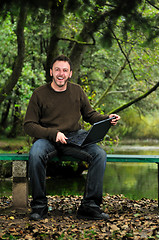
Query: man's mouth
column 60, row 78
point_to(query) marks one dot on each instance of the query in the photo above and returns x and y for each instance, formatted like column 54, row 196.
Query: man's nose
column 61, row 72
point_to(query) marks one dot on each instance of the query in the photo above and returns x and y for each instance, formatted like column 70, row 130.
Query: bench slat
column 133, row 158
column 14, row 156
column 110, row 158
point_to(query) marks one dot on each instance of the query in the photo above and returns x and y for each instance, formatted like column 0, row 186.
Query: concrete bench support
column 20, row 184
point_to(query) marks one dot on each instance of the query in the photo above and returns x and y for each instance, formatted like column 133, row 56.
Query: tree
column 84, row 30
column 18, row 64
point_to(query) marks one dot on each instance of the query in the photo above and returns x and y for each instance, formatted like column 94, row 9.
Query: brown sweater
column 50, row 111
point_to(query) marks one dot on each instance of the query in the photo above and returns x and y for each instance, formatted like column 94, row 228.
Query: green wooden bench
column 20, row 177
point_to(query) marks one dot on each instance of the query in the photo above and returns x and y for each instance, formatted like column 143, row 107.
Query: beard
column 60, row 83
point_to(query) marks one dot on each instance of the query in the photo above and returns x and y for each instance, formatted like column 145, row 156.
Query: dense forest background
column 114, row 48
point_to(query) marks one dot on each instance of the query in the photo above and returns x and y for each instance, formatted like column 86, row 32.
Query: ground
column 129, row 219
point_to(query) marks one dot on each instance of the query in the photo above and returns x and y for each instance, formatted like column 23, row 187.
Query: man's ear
column 51, row 72
column 70, row 74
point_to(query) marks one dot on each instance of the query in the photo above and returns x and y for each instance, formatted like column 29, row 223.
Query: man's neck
column 57, row 88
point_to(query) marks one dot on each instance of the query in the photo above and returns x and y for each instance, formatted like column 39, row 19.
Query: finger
column 63, row 139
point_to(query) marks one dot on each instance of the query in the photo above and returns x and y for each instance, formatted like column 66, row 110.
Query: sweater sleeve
column 88, row 113
column 32, row 125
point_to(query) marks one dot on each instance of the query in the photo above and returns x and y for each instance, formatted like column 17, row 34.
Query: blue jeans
column 39, row 155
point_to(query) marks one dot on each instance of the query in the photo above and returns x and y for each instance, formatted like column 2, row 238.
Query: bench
column 20, row 177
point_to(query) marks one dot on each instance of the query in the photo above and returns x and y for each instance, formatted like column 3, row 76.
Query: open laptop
column 94, row 135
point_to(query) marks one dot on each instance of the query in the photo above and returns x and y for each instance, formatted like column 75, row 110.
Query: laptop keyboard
column 78, row 138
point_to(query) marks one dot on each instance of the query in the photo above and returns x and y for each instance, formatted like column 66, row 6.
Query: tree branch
column 152, row 4
column 124, row 54
column 126, row 105
column 111, row 84
column 123, row 91
column 77, row 42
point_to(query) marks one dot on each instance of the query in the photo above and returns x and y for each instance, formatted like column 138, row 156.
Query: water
column 134, row 180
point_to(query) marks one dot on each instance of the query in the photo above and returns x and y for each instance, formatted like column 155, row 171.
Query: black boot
column 91, row 213
column 39, row 212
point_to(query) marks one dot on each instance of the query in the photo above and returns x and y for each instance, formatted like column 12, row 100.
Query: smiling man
column 54, row 112
column 60, row 72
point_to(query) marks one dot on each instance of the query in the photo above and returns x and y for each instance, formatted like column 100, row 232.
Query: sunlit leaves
column 132, row 22
column 8, row 46
column 129, row 219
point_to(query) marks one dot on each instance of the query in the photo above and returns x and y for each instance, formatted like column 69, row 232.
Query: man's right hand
column 61, row 138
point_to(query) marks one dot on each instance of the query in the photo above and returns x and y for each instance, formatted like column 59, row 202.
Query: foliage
column 5, row 169
column 113, row 46
column 129, row 219
column 138, row 126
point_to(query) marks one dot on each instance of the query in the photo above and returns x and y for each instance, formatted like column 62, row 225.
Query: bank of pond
column 133, row 180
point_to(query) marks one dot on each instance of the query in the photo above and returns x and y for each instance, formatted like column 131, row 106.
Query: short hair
column 61, row 58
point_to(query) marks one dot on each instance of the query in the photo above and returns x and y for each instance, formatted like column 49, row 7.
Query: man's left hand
column 115, row 120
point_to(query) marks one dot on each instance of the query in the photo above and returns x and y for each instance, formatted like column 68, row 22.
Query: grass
column 12, row 144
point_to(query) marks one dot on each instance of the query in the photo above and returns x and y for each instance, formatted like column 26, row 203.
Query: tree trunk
column 5, row 112
column 56, row 17
column 13, row 79
column 78, row 50
column 16, row 122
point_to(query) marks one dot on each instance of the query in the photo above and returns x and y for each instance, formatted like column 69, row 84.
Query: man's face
column 61, row 73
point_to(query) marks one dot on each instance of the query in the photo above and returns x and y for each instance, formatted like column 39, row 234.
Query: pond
column 133, row 180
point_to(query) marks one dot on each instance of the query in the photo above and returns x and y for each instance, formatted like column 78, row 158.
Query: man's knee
column 38, row 152
column 101, row 153
column 102, row 157
column 41, row 146
column 99, row 156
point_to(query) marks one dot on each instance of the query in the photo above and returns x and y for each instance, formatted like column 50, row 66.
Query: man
column 53, row 112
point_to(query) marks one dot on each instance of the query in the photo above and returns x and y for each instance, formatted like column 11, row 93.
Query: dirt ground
column 129, row 219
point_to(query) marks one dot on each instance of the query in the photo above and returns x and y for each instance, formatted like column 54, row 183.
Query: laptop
column 94, row 135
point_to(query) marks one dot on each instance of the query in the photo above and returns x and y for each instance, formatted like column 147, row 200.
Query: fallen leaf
column 115, row 228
